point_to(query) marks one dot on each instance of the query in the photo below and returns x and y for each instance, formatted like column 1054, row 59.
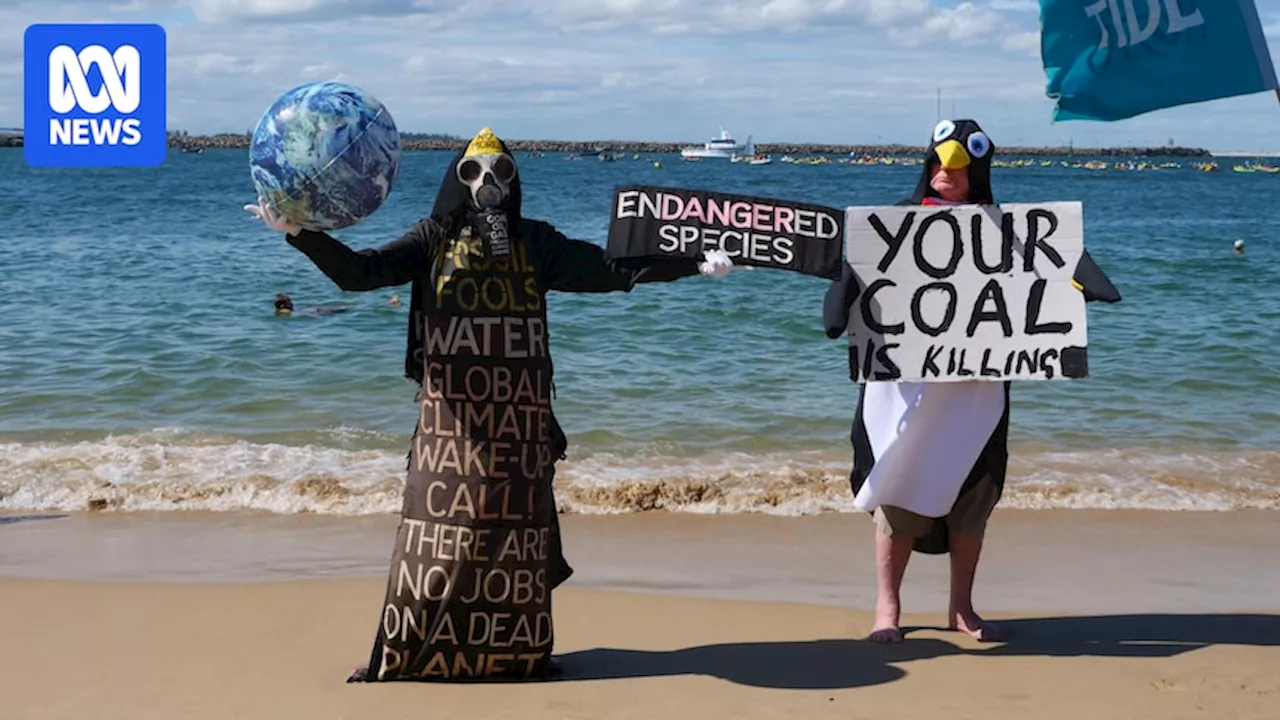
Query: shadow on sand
column 13, row 519
column 833, row 664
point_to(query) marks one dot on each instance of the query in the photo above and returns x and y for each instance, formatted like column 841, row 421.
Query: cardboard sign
column 761, row 232
column 967, row 292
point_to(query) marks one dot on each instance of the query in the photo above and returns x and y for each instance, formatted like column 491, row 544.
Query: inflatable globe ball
column 325, row 155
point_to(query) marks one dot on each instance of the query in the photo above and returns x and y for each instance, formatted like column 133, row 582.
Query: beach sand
column 1113, row 615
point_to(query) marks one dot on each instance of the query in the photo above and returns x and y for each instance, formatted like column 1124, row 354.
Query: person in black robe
column 478, row 551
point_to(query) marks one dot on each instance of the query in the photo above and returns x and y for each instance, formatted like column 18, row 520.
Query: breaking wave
column 185, row 471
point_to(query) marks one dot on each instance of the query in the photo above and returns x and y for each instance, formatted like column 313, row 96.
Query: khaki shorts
column 968, row 517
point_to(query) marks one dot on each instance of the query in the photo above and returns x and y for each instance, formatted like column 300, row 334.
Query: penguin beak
column 952, row 155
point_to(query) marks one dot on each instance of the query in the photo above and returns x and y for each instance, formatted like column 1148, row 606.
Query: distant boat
column 721, row 147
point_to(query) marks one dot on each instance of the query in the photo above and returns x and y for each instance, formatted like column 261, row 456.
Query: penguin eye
column 979, row 145
column 943, row 130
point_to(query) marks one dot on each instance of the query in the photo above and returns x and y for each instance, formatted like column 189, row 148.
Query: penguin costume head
column 481, row 188
column 961, row 152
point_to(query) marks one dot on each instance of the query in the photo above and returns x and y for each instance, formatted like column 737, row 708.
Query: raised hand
column 268, row 215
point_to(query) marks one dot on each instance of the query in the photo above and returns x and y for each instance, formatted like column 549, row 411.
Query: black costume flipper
column 1090, row 280
column 838, row 302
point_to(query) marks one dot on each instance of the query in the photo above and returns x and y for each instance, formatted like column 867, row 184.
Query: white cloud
column 303, row 10
column 1015, row 5
column 966, row 24
column 781, row 70
column 1025, row 42
column 725, row 16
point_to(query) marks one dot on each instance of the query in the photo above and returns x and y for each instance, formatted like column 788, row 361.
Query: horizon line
column 418, row 136
column 447, row 137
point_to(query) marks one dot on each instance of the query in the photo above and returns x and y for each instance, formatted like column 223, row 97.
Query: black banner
column 469, row 590
column 762, row 232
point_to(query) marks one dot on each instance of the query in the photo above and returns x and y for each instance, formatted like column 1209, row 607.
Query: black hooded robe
column 993, row 459
column 478, row 550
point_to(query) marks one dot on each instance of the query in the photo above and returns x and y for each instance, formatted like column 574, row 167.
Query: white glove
column 267, row 214
column 717, row 264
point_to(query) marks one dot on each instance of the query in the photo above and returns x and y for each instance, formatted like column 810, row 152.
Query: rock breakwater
column 630, row 146
column 411, row 143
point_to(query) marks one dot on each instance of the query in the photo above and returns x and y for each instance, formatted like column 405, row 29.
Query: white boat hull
column 712, row 154
column 723, row 147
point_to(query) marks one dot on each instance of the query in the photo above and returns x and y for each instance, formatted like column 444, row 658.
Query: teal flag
column 1114, row 59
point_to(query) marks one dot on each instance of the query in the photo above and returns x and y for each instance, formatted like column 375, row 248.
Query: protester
column 478, row 551
column 956, row 171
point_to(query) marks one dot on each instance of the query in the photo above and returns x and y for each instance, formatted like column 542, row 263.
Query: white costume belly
column 925, row 438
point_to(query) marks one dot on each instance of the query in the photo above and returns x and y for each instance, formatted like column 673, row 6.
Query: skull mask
column 487, row 171
column 489, row 178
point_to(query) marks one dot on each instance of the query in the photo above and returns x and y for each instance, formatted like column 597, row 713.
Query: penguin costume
column 478, row 553
column 949, row 441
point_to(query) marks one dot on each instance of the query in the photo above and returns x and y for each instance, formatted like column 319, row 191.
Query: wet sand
column 1081, row 561
column 1113, row 614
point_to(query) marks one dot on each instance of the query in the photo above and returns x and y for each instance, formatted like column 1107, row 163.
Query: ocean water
column 142, row 367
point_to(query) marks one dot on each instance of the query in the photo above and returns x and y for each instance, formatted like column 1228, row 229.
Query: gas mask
column 489, row 178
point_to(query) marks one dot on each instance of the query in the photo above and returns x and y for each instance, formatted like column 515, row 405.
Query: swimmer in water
column 394, row 301
column 1238, row 247
column 284, row 306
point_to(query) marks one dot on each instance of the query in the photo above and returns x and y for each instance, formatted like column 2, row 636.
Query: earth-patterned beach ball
column 325, row 155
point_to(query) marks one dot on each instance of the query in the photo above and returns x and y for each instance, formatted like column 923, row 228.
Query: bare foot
column 885, row 635
column 971, row 624
column 886, row 629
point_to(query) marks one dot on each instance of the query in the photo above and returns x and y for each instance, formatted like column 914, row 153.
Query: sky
column 800, row 71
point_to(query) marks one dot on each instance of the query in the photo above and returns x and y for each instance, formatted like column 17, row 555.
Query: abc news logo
column 69, row 89
column 94, row 95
